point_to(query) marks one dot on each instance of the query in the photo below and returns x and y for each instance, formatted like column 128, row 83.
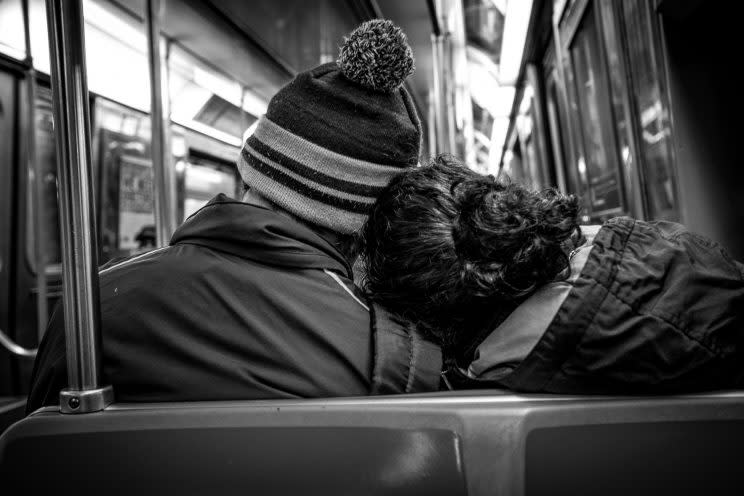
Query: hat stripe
column 322, row 159
column 281, row 177
column 310, row 210
column 300, row 169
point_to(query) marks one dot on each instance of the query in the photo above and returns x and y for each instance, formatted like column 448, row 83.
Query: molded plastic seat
column 486, row 442
column 12, row 409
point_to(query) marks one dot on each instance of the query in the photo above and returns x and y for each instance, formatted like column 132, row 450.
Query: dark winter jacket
column 245, row 303
column 655, row 309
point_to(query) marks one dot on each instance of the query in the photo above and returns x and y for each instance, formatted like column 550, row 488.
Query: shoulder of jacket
column 108, row 267
column 346, row 288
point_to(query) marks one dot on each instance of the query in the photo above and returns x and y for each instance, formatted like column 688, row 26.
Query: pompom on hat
column 335, row 136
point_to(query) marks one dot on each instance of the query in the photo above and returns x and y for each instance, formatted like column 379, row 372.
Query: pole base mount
column 90, row 400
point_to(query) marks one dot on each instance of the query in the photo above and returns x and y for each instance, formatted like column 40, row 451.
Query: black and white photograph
column 371, row 247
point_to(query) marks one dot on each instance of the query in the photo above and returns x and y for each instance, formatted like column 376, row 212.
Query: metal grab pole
column 79, row 242
column 440, row 116
column 160, row 126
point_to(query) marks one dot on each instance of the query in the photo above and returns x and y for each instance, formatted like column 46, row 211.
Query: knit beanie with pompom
column 335, row 136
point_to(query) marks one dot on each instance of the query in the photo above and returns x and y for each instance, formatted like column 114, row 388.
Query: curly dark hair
column 445, row 247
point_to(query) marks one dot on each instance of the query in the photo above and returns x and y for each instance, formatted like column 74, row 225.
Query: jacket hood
column 259, row 234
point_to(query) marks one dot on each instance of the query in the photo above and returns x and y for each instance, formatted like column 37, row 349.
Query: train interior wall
column 703, row 51
column 8, row 129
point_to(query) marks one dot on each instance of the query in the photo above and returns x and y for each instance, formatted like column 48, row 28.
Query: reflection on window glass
column 652, row 110
column 12, row 40
column 591, row 98
column 617, row 90
column 532, row 172
column 482, row 130
column 136, row 202
column 484, row 25
column 37, row 27
column 578, row 168
column 116, row 55
column 556, row 132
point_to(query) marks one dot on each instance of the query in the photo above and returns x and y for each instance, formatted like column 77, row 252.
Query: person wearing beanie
column 255, row 299
column 336, row 135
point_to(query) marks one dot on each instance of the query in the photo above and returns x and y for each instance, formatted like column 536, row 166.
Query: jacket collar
column 259, row 234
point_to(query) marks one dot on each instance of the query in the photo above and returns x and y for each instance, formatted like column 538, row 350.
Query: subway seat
column 469, row 442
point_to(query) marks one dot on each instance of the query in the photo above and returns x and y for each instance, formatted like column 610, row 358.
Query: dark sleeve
column 50, row 368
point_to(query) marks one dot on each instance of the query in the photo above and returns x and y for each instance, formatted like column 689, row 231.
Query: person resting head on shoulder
column 255, row 299
column 524, row 297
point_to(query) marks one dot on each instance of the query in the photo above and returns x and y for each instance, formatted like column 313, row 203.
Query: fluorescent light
column 224, row 88
column 486, row 90
column 499, row 4
column 253, row 104
column 526, row 102
column 498, row 137
column 114, row 26
column 515, row 32
column 248, row 132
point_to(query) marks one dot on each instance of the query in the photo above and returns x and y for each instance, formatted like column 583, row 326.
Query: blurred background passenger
column 525, row 298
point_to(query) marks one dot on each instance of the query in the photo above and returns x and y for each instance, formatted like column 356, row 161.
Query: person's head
column 445, row 245
column 333, row 138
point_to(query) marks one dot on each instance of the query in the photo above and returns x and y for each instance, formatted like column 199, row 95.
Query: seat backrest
column 475, row 443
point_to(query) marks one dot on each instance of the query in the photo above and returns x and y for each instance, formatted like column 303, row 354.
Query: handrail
column 16, row 348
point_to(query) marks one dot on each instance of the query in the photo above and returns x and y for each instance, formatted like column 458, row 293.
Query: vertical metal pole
column 449, row 91
column 79, row 250
column 34, row 166
column 440, row 106
column 160, row 126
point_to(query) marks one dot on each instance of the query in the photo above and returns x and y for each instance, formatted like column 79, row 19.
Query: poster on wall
column 136, row 204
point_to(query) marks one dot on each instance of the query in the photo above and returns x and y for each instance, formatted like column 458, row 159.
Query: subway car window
column 597, row 162
column 484, row 26
column 203, row 179
column 37, row 27
column 12, row 34
column 652, row 109
column 116, row 55
column 620, row 112
column 482, row 127
column 116, row 51
column 126, row 221
column 557, row 132
column 577, row 168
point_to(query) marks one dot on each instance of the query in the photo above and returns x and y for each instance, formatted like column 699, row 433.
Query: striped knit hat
column 335, row 136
